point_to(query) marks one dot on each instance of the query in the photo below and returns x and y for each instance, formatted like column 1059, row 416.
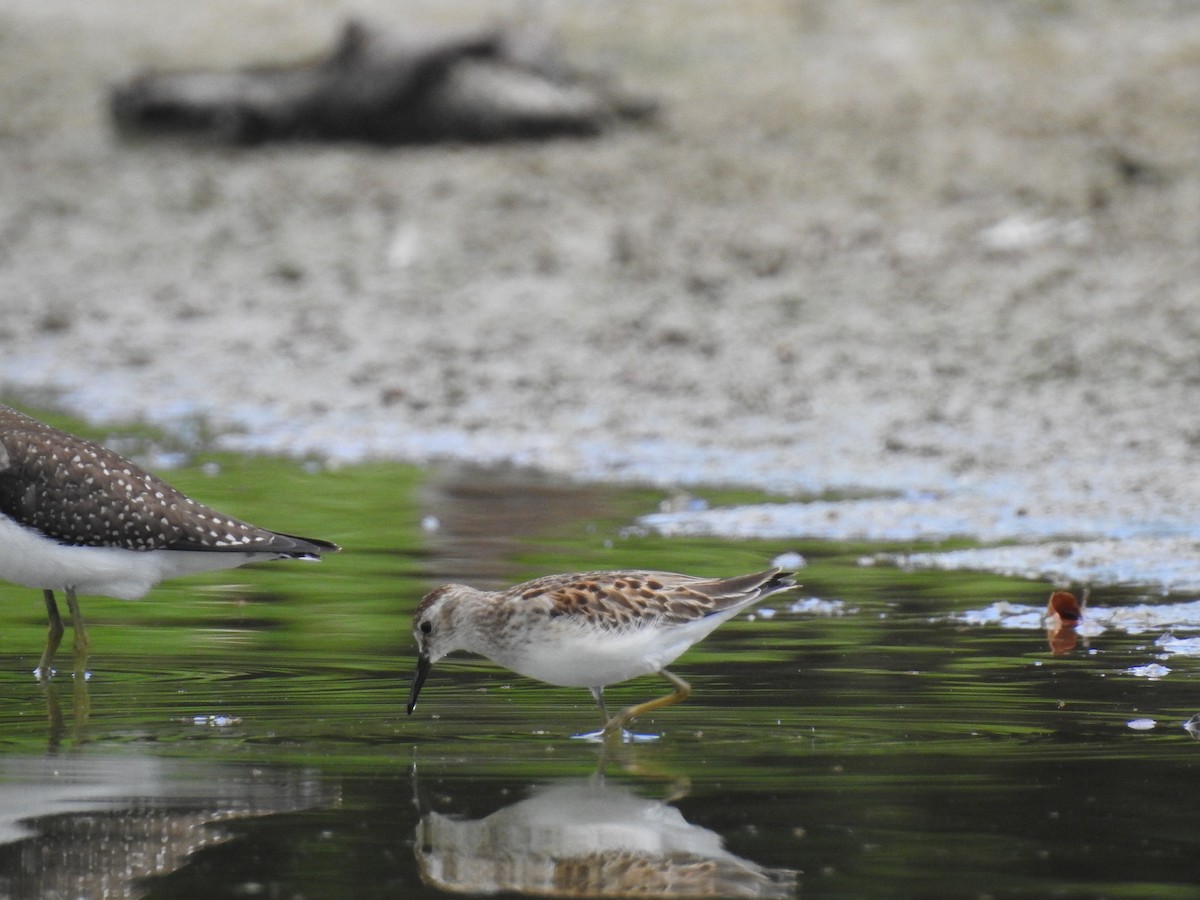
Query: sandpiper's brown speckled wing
column 75, row 491
column 622, row 599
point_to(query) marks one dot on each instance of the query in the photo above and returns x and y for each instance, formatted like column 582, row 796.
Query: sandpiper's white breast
column 577, row 654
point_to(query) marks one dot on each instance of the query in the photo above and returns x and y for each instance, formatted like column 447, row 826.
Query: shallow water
column 243, row 734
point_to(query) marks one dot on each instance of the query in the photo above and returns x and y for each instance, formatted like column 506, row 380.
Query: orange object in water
column 1063, row 614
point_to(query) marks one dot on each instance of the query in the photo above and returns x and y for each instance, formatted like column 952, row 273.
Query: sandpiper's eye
column 426, row 627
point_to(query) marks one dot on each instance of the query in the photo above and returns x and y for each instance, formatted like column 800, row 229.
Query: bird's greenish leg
column 53, row 637
column 81, row 635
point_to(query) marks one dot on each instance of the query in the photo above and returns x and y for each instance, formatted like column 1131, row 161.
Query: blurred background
column 906, row 294
column 863, row 245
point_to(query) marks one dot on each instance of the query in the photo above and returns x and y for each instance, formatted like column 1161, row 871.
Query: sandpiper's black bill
column 423, row 667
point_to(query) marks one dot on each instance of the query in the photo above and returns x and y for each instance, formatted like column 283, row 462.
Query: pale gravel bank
column 950, row 252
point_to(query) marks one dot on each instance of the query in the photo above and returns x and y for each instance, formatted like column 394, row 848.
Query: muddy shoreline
column 949, row 257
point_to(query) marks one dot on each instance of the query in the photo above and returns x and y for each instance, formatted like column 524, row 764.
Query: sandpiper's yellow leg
column 53, row 637
column 617, row 723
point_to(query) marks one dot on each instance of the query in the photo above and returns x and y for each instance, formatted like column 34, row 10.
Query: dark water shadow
column 480, row 518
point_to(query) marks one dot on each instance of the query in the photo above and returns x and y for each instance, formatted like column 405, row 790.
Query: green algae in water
column 888, row 750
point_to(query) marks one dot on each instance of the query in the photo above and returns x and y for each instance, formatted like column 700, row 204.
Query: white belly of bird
column 28, row 559
column 578, row 656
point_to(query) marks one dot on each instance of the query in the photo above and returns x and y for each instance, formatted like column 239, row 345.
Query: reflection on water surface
column 96, row 825
column 588, row 837
column 883, row 738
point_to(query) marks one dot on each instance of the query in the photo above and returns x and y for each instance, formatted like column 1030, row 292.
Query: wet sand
column 950, row 256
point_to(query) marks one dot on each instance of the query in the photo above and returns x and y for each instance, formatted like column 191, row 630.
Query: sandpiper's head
column 435, row 632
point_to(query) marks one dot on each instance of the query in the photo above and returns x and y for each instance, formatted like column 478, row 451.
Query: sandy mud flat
column 949, row 256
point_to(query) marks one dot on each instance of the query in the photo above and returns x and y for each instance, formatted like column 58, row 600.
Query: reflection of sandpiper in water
column 588, row 838
column 76, row 517
column 97, row 826
column 589, row 630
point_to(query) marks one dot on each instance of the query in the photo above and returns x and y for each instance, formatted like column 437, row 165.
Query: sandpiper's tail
column 259, row 540
column 306, row 548
column 743, row 590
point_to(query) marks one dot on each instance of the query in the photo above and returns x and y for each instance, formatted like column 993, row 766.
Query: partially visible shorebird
column 78, row 518
column 589, row 630
column 1062, row 618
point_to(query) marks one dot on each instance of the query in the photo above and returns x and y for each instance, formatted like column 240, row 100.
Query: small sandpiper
column 77, row 518
column 589, row 630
